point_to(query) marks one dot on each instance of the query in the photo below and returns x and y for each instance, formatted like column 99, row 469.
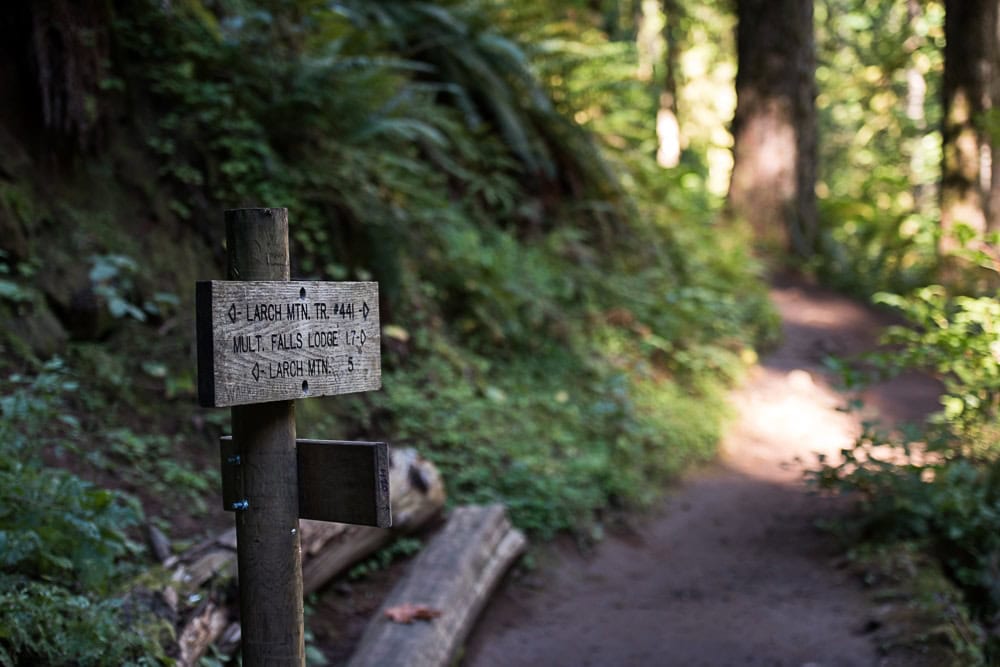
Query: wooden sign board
column 347, row 482
column 278, row 341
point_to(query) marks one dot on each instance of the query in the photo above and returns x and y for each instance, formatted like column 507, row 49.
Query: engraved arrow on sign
column 228, row 350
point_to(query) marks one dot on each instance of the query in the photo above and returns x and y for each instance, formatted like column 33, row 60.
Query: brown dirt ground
column 731, row 569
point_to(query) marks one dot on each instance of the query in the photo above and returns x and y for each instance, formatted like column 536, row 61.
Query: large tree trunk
column 668, row 130
column 53, row 60
column 993, row 126
column 774, row 129
column 970, row 41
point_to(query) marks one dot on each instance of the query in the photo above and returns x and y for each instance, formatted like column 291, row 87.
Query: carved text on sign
column 273, row 341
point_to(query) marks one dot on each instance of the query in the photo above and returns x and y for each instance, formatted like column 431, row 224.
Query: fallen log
column 416, row 494
column 451, row 580
column 200, row 632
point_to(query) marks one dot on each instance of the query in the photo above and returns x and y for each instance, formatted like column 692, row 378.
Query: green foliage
column 879, row 76
column 113, row 280
column 939, row 488
column 47, row 624
column 55, row 526
column 958, row 340
column 11, row 290
column 560, row 314
column 950, row 507
column 399, row 548
column 153, row 466
column 556, row 437
column 63, row 542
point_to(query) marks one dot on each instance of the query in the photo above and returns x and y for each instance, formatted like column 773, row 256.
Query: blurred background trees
column 539, row 188
column 969, row 85
column 773, row 185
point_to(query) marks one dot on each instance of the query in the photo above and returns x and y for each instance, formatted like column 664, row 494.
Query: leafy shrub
column 958, row 340
column 47, row 624
column 64, row 549
column 556, row 437
column 399, row 548
column 55, row 526
column 951, row 508
column 879, row 160
column 939, row 488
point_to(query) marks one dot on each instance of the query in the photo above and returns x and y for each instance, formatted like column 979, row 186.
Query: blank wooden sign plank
column 346, row 482
column 278, row 341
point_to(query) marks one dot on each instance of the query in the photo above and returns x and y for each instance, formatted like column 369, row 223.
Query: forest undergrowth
column 560, row 315
column 928, row 495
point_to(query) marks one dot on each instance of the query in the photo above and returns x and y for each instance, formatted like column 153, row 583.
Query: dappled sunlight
column 843, row 318
column 733, row 571
column 791, row 410
column 734, row 547
column 786, row 419
column 668, row 154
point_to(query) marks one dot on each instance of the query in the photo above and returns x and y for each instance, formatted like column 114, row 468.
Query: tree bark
column 970, row 43
column 668, row 130
column 774, row 128
column 916, row 97
column 993, row 126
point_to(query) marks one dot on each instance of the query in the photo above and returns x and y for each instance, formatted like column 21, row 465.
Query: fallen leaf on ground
column 407, row 613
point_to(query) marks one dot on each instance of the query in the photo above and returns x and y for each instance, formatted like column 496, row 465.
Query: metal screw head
column 241, row 505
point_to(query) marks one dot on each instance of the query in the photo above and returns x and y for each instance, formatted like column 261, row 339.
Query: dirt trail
column 731, row 570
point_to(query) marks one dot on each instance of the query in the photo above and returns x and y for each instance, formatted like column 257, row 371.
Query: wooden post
column 269, row 553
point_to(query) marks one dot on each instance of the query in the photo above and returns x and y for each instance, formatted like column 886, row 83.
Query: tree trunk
column 668, row 130
column 970, row 43
column 774, row 128
column 916, row 98
column 993, row 124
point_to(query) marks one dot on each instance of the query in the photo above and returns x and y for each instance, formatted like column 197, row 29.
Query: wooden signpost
column 281, row 341
column 346, row 482
column 264, row 341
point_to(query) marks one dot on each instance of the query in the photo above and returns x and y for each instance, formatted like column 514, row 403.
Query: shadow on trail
column 732, row 572
column 731, row 569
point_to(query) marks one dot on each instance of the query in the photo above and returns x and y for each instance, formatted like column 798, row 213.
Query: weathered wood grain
column 268, row 341
column 328, row 549
column 455, row 574
column 268, row 550
column 417, row 495
column 342, row 481
column 346, row 482
column 204, row 625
